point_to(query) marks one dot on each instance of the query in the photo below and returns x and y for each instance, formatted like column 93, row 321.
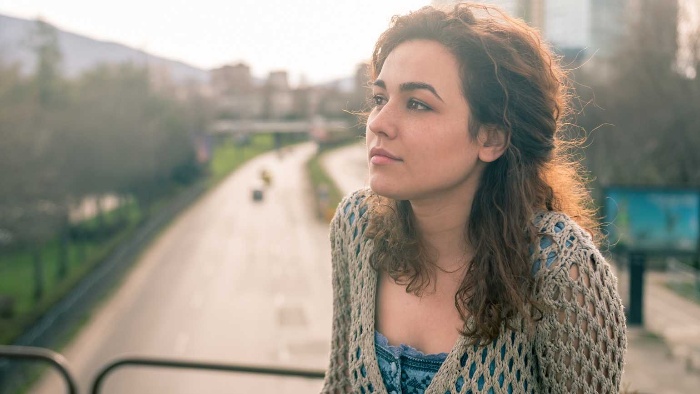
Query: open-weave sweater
column 578, row 345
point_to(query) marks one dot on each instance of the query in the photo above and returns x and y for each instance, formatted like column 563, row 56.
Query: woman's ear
column 492, row 143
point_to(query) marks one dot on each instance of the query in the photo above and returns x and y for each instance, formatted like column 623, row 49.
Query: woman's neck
column 441, row 223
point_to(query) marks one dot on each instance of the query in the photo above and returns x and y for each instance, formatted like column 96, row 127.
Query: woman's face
column 418, row 141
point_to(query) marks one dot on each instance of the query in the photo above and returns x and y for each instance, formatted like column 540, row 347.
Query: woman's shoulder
column 561, row 242
column 568, row 267
column 348, row 227
column 580, row 308
column 566, row 261
column 352, row 209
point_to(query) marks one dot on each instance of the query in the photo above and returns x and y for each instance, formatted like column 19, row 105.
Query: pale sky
column 321, row 39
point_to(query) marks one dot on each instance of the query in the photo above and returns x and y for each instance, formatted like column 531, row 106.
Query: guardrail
column 40, row 354
column 60, row 363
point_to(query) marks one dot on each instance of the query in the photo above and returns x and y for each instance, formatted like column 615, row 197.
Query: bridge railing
column 199, row 365
column 59, row 362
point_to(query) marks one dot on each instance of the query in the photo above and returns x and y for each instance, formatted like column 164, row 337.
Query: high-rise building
column 590, row 32
column 236, row 96
column 576, row 28
column 585, row 31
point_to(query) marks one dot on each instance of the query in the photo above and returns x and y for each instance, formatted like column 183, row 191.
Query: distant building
column 589, row 33
column 653, row 22
column 361, row 94
column 234, row 93
column 280, row 104
column 306, row 102
column 576, row 28
column 278, row 80
column 334, row 103
column 232, row 79
column 586, row 32
column 279, row 98
column 238, row 98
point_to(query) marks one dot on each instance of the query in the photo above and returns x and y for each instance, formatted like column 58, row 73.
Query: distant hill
column 80, row 53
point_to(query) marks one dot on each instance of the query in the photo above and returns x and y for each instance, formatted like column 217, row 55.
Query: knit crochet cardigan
column 577, row 347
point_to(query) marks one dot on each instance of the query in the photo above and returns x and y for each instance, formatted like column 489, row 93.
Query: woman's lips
column 380, row 160
column 381, row 156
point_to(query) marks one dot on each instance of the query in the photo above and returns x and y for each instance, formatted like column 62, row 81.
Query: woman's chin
column 388, row 190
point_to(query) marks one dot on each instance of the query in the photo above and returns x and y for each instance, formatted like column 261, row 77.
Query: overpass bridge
column 319, row 129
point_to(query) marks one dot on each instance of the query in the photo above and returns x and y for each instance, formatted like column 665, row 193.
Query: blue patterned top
column 405, row 369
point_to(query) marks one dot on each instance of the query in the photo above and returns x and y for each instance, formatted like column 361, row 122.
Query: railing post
column 637, row 267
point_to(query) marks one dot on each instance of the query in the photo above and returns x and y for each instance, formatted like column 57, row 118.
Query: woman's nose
column 383, row 122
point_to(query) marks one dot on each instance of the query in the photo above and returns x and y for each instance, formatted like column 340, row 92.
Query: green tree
column 27, row 211
column 48, row 58
column 129, row 138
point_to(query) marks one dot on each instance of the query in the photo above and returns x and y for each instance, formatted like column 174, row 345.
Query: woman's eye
column 417, row 105
column 378, row 100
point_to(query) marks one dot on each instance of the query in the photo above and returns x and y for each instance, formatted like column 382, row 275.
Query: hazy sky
column 321, row 39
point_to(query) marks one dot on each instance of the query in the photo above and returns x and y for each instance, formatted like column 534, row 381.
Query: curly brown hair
column 514, row 84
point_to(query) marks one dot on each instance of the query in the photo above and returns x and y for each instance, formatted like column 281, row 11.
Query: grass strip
column 228, row 155
column 326, row 194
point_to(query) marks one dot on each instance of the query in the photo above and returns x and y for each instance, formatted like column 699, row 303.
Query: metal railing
column 199, row 365
column 40, row 354
column 60, row 363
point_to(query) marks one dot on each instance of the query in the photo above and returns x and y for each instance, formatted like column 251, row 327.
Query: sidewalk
column 664, row 355
column 672, row 317
column 660, row 357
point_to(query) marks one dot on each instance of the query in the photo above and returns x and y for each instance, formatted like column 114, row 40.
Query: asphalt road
column 231, row 280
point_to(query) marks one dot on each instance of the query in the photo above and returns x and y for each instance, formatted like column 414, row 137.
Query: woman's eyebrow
column 408, row 86
column 379, row 83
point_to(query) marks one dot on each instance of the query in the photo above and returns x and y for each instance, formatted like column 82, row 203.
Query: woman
column 466, row 268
